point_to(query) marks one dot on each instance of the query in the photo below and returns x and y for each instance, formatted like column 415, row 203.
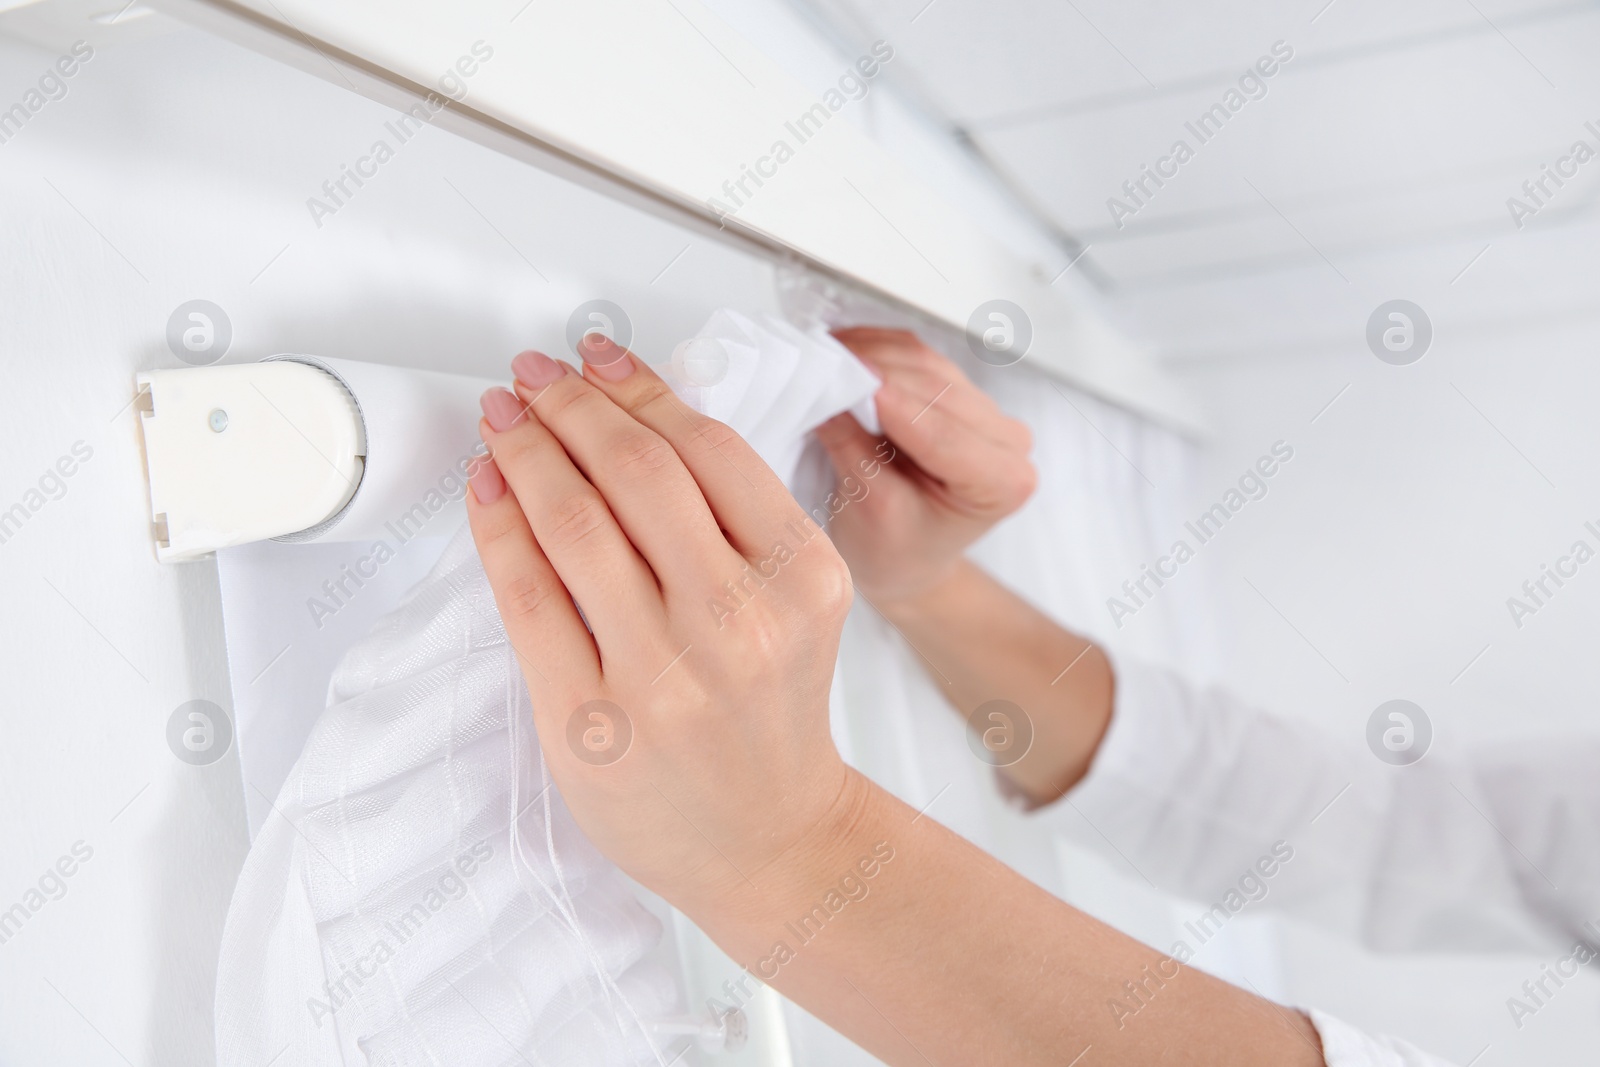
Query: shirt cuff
column 1345, row 1046
column 1146, row 724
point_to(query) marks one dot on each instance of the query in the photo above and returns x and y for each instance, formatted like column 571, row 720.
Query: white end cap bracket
column 246, row 452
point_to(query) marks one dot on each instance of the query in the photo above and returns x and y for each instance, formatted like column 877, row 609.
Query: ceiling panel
column 1394, row 119
column 1332, row 231
column 1538, row 277
column 1389, row 142
column 986, row 63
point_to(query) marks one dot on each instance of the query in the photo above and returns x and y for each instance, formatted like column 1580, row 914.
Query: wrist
column 745, row 915
column 905, row 603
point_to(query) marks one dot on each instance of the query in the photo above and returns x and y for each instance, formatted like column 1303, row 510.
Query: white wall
column 1392, row 542
column 177, row 167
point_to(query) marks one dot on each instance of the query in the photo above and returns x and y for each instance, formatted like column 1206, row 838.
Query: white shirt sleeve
column 1495, row 851
column 1345, row 1046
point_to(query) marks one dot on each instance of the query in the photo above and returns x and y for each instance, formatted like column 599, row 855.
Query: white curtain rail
column 665, row 107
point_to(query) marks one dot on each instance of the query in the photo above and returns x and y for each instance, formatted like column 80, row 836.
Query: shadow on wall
column 203, row 856
column 420, row 328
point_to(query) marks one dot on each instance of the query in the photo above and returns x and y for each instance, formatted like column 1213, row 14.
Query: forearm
column 924, row 949
column 982, row 642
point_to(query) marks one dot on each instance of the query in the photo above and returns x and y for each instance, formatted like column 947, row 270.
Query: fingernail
column 502, row 408
column 535, row 369
column 488, row 484
column 609, row 360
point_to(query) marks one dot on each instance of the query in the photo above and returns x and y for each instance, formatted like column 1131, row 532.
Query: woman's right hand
column 949, row 466
column 959, row 466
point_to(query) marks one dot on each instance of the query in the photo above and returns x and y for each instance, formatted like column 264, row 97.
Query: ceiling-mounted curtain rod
column 663, row 106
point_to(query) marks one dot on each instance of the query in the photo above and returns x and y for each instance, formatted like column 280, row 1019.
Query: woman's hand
column 688, row 732
column 960, row 465
column 689, row 735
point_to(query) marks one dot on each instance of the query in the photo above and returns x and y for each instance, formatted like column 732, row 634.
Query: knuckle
column 575, row 519
column 692, row 693
column 651, row 394
column 643, row 453
column 495, row 526
column 831, row 590
column 714, row 436
column 524, row 594
column 822, row 587
column 763, row 639
column 567, row 398
column 516, row 446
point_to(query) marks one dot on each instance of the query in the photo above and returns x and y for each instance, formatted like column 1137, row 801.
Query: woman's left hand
column 688, row 733
column 689, row 736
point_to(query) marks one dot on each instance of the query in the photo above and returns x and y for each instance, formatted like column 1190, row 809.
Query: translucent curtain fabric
column 1112, row 492
column 420, row 894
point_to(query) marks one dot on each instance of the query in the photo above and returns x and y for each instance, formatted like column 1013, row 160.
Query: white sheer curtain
column 1111, row 497
column 419, row 894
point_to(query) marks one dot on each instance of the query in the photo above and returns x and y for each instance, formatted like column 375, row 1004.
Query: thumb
column 847, row 444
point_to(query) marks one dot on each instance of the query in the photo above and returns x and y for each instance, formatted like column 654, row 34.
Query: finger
column 980, row 472
column 899, row 358
column 943, row 423
column 574, row 527
column 749, row 502
column 851, row 336
column 488, row 484
column 851, row 449
column 541, row 622
column 655, row 500
column 971, row 407
column 891, row 348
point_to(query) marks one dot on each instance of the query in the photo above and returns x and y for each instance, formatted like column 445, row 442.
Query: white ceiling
column 1377, row 165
